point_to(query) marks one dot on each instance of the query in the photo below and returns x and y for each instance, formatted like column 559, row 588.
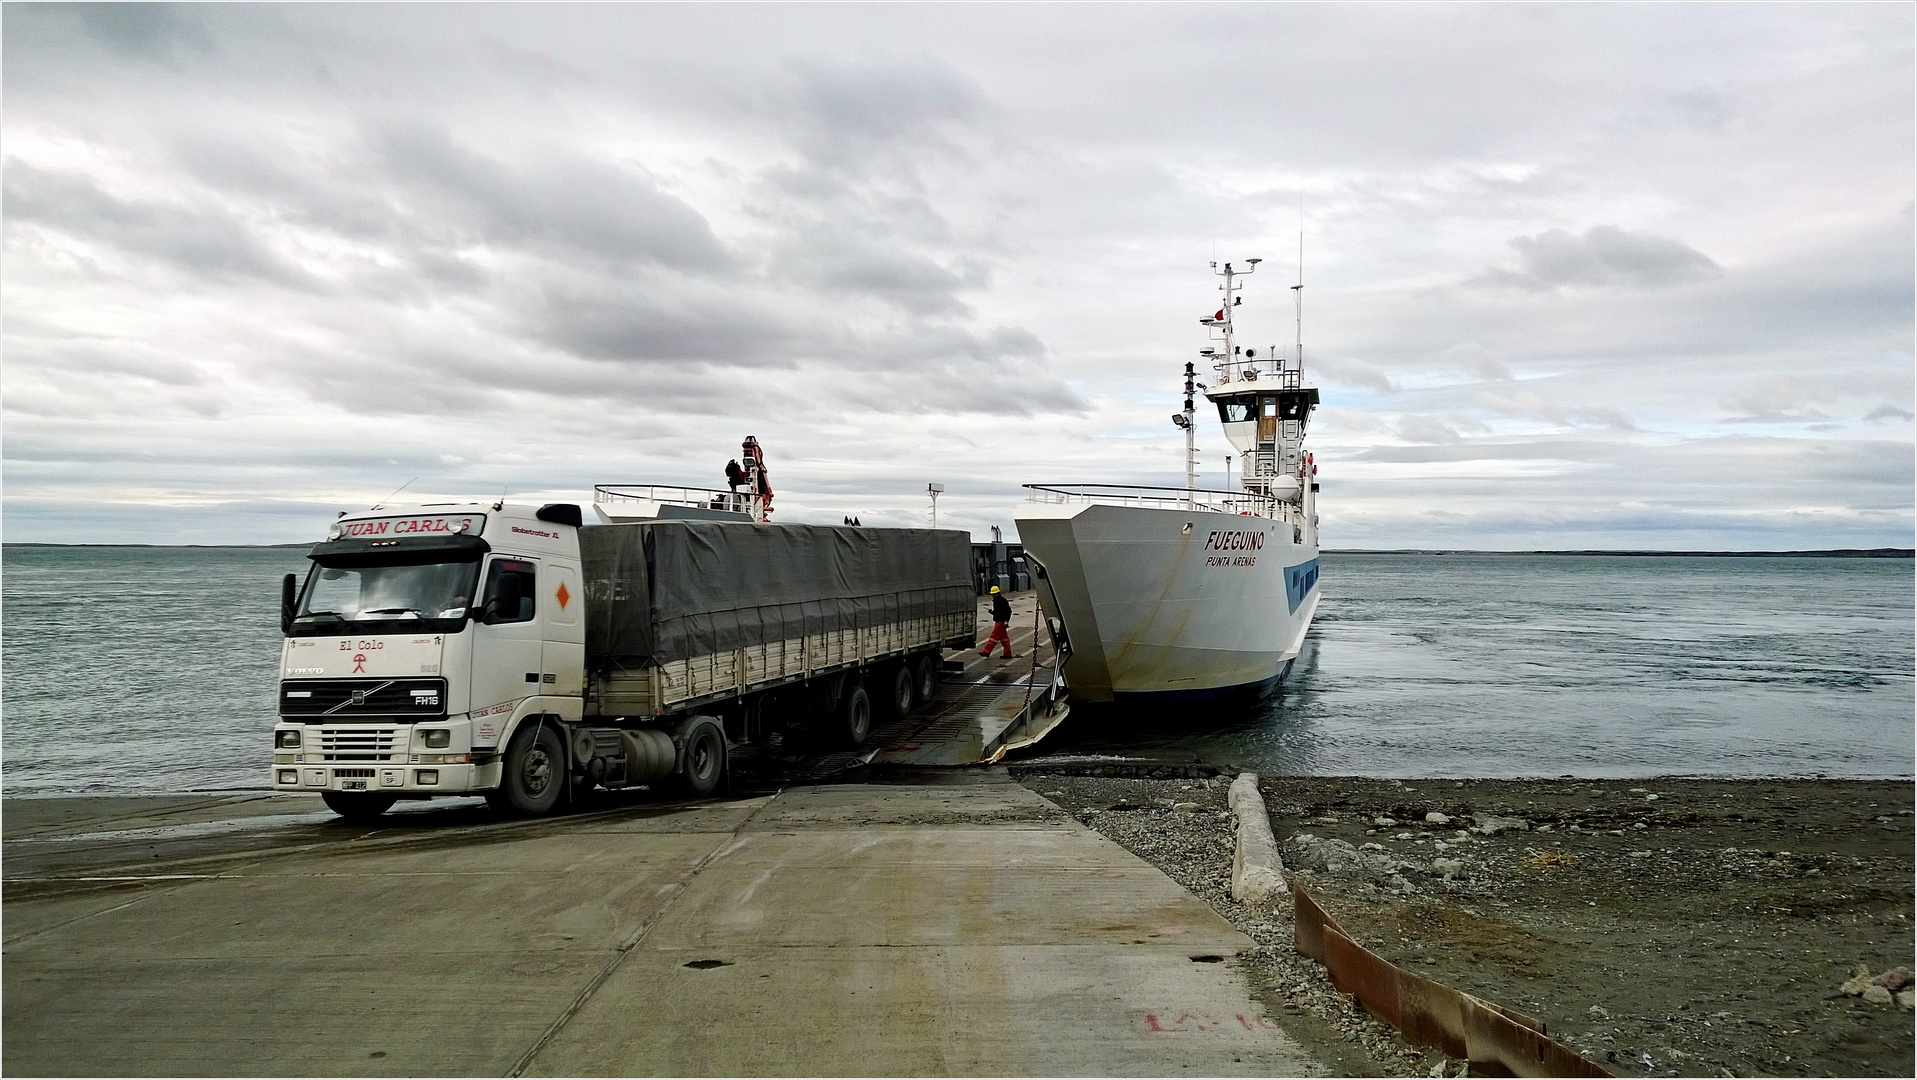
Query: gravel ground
column 1662, row 928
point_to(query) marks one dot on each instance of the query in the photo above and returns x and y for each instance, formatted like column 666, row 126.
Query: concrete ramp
column 926, row 930
column 963, row 928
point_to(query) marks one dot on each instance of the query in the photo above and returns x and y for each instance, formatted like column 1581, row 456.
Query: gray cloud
column 216, row 243
column 315, row 251
column 832, row 260
column 1351, row 372
column 1604, row 255
column 564, row 204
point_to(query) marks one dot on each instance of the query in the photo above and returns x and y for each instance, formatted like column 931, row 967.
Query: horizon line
column 1871, row 552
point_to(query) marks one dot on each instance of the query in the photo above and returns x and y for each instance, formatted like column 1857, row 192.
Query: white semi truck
column 523, row 654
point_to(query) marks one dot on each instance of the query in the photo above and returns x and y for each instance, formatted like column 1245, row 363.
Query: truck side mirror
column 289, row 592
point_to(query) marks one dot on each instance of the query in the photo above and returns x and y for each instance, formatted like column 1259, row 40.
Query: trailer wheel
column 357, row 806
column 855, row 718
column 535, row 772
column 927, row 674
column 702, row 764
column 903, row 695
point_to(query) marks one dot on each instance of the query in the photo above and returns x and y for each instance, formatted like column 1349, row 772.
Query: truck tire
column 926, row 672
column 902, row 694
column 357, row 805
column 535, row 771
column 854, row 721
column 702, row 760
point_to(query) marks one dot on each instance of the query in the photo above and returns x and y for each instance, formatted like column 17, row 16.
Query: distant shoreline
column 1826, row 553
column 205, row 547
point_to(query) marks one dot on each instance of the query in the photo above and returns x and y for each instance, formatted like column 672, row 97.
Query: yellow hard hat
column 995, row 588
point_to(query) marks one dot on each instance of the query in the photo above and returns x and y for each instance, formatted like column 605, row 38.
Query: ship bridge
column 1263, row 407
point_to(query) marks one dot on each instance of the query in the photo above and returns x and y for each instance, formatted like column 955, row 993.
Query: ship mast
column 1298, row 292
column 1222, row 322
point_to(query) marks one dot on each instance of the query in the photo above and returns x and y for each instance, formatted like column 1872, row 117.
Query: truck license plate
column 352, row 785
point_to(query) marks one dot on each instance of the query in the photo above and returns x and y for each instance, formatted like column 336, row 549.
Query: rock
column 1337, row 857
column 1897, row 978
column 1907, row 998
column 1492, row 826
column 1859, row 978
column 1435, row 818
column 1876, row 995
column 1449, row 869
column 1385, row 822
column 1184, row 807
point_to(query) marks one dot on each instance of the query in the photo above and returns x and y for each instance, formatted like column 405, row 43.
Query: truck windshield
column 432, row 596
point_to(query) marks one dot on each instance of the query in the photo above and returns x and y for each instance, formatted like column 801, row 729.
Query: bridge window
column 1236, row 410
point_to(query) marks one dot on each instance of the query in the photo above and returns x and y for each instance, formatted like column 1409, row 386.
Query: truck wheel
column 535, row 772
column 855, row 718
column 702, row 765
column 357, row 806
column 927, row 673
column 903, row 693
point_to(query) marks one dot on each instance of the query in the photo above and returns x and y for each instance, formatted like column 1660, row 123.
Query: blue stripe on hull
column 1250, row 689
column 1299, row 581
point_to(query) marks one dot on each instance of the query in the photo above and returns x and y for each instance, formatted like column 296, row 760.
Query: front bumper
column 383, row 759
column 388, row 779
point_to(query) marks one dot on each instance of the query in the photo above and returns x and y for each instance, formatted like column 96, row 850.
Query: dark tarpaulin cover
column 670, row 590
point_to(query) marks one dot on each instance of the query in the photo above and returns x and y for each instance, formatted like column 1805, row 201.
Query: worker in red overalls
column 1001, row 615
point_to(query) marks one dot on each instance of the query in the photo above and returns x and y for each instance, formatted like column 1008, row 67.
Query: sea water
column 1588, row 665
column 154, row 669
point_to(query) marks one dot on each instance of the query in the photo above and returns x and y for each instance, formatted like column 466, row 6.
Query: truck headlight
column 439, row 739
column 289, row 776
column 287, row 738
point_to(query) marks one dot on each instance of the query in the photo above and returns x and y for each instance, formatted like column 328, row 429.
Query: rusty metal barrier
column 1496, row 1041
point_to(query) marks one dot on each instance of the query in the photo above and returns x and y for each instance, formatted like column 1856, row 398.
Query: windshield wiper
column 333, row 615
column 393, row 611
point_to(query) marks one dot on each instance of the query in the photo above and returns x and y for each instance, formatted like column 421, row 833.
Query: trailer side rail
column 688, row 683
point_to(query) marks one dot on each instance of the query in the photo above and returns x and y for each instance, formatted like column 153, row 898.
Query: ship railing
column 1158, row 498
column 618, row 497
column 1275, row 373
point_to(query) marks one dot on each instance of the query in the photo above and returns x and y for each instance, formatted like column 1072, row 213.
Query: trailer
column 527, row 655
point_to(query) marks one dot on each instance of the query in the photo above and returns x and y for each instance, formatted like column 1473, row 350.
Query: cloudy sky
column 1578, row 276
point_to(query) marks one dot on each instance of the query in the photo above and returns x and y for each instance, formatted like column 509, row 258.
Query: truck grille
column 359, row 744
column 363, row 697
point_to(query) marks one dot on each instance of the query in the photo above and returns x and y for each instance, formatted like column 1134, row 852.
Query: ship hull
column 1172, row 604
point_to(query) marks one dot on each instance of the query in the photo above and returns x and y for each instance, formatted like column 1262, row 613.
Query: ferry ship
column 1189, row 593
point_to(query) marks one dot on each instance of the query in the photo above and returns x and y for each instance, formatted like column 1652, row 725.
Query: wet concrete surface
column 964, row 927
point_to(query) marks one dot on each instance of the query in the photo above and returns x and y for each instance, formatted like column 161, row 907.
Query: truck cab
column 418, row 641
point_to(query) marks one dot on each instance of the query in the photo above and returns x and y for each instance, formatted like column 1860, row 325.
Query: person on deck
column 1001, row 616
